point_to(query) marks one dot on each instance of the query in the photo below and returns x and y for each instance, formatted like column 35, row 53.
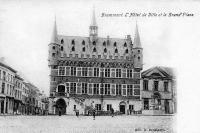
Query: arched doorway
column 61, row 90
column 60, row 106
column 122, row 107
column 157, row 101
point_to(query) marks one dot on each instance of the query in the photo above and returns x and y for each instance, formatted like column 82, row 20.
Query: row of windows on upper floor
column 155, row 85
column 98, row 72
column 99, row 89
column 6, row 76
column 94, row 43
column 9, row 90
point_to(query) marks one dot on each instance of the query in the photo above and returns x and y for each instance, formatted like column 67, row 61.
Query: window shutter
column 79, row 71
column 113, row 91
column 124, row 90
column 124, row 73
column 113, row 72
column 67, row 71
column 90, row 69
column 90, row 88
column 79, row 90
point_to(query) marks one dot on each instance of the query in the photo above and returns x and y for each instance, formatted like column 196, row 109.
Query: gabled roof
column 159, row 71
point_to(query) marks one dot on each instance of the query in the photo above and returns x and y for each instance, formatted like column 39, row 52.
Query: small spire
column 93, row 17
column 137, row 43
column 54, row 34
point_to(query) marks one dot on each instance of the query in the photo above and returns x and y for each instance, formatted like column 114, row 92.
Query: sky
column 26, row 28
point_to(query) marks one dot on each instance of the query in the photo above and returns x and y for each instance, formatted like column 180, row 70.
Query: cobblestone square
column 86, row 124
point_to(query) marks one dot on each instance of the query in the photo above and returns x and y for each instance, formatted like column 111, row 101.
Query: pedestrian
column 60, row 112
column 112, row 112
column 77, row 112
column 94, row 114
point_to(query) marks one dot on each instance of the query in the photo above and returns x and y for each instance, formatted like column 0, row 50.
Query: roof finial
column 93, row 17
column 54, row 34
column 137, row 43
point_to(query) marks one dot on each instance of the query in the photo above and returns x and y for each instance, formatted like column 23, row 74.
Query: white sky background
column 26, row 28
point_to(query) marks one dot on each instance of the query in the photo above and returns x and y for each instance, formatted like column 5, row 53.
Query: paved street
column 85, row 124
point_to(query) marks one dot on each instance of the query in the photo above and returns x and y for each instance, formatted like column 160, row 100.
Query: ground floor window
column 131, row 107
column 109, row 106
column 146, row 104
column 98, row 106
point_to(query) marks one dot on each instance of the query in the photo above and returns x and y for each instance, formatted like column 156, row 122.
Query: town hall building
column 93, row 71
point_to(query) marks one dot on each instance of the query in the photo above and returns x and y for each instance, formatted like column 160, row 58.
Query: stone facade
column 94, row 72
column 158, row 91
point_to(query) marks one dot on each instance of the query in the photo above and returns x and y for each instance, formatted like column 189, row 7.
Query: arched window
column 83, row 42
column 126, row 51
column 83, row 49
column 94, row 50
column 104, row 43
column 138, row 57
column 61, row 48
column 73, row 48
column 116, row 50
column 62, row 41
column 53, row 47
column 105, row 50
column 125, row 45
column 73, row 42
column 138, row 51
column 94, row 43
column 115, row 44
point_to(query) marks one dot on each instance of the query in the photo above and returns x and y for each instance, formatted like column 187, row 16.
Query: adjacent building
column 93, row 71
column 158, row 91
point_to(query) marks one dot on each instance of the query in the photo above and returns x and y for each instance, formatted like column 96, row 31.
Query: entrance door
column 122, row 109
column 166, row 106
column 60, row 106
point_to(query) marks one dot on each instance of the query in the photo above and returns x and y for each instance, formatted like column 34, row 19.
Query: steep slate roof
column 165, row 71
column 99, row 45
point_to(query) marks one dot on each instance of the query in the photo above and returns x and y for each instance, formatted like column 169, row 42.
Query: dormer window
column 105, row 50
column 125, row 45
column 83, row 42
column 62, row 41
column 104, row 43
column 61, row 48
column 115, row 44
column 94, row 43
column 126, row 51
column 83, row 49
column 94, row 50
column 73, row 42
column 73, row 48
column 116, row 50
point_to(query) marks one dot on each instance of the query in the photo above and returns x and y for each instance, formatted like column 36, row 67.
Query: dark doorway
column 122, row 109
column 60, row 106
column 166, row 106
column 2, row 106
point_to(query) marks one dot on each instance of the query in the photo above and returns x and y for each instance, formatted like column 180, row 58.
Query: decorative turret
column 53, row 47
column 93, row 28
column 137, row 50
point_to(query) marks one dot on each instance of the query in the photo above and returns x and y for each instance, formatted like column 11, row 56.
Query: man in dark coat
column 94, row 111
column 112, row 112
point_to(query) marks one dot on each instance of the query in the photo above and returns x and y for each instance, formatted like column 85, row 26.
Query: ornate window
column 94, row 50
column 96, row 72
column 115, row 44
column 105, row 50
column 156, row 85
column 129, row 73
column 83, row 49
column 96, row 89
column 61, row 71
column 104, row 43
column 125, row 45
column 118, row 73
column 116, row 50
column 73, row 48
column 84, row 88
column 73, row 88
column 83, row 42
column 62, row 41
column 73, row 71
column 107, row 89
column 129, row 90
column 73, row 42
column 107, row 72
column 118, row 89
column 84, row 71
